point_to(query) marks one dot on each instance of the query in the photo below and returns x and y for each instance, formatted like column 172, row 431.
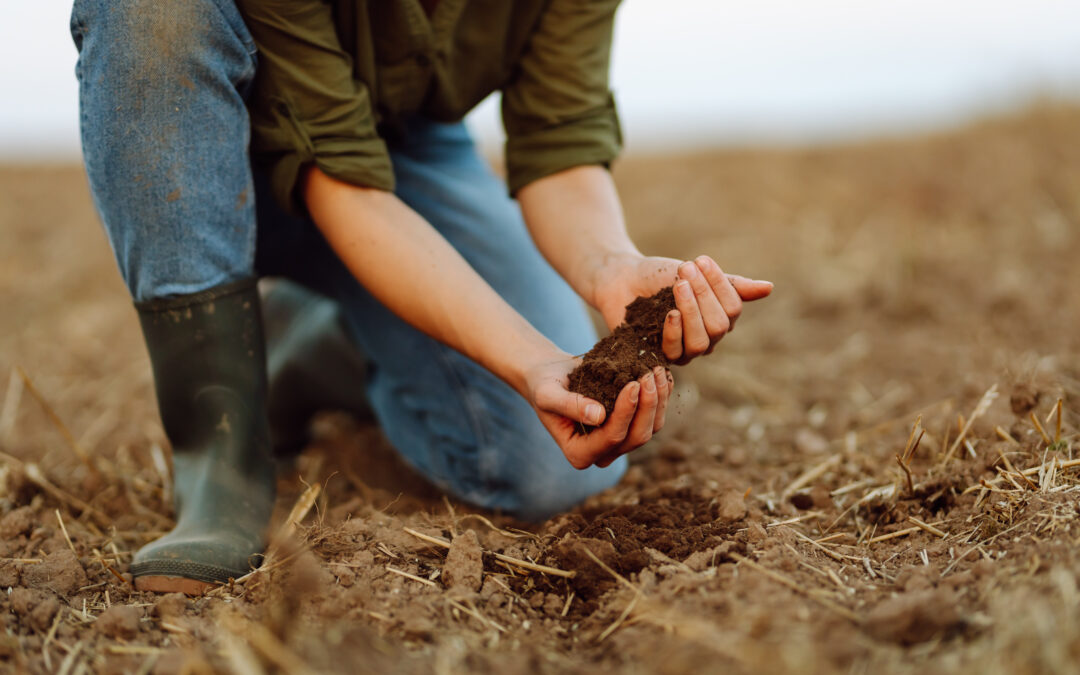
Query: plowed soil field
column 877, row 472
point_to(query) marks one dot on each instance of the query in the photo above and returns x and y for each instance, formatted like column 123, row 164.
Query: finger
column 641, row 428
column 712, row 312
column 750, row 289
column 672, row 340
column 695, row 338
column 663, row 392
column 721, row 287
column 604, row 441
column 554, row 398
column 618, row 424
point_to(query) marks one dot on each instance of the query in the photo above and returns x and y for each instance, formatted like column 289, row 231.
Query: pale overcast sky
column 689, row 73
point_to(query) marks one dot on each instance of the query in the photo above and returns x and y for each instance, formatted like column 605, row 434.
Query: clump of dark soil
column 633, row 349
column 671, row 523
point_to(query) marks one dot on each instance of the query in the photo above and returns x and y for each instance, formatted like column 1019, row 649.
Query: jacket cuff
column 594, row 138
column 361, row 160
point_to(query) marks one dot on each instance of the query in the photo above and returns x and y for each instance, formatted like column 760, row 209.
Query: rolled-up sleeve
column 306, row 107
column 557, row 109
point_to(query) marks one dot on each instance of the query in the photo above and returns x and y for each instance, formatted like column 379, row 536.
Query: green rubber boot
column 312, row 365
column 209, row 365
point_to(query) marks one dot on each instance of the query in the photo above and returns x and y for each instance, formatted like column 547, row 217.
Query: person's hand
column 639, row 413
column 708, row 301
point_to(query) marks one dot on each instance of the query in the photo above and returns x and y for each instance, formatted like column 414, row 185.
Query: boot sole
column 159, row 584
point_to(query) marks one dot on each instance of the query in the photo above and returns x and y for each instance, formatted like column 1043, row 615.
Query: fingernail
column 702, row 260
column 650, row 385
column 658, row 372
column 635, row 389
column 683, row 287
column 673, row 316
column 689, row 269
column 593, row 411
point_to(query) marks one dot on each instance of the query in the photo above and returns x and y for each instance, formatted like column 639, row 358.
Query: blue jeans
column 165, row 141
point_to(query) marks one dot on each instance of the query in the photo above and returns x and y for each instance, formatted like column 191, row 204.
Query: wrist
column 608, row 272
column 530, row 359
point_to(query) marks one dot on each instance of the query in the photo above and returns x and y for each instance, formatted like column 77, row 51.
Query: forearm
column 398, row 257
column 576, row 220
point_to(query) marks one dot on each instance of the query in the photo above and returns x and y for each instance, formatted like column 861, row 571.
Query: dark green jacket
column 336, row 76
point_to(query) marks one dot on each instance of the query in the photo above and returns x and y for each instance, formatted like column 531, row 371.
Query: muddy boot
column 311, row 362
column 210, row 375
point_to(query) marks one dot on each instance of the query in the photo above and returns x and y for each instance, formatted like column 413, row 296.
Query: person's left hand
column 708, row 301
column 639, row 412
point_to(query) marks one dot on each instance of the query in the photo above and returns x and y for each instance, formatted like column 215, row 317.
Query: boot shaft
column 209, row 362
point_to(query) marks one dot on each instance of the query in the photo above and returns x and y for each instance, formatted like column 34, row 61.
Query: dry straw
column 523, row 564
column 980, row 409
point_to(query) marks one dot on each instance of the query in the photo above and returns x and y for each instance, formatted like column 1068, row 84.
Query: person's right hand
column 639, row 413
column 707, row 300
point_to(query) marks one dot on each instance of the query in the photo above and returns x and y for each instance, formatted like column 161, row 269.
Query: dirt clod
column 802, row 500
column 119, row 622
column 464, row 567
column 9, row 574
column 59, row 572
column 731, row 506
column 20, row 521
column 36, row 607
column 41, row 616
column 170, row 605
column 1024, row 398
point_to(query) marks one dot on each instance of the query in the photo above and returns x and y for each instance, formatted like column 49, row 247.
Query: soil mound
column 672, row 522
column 633, row 349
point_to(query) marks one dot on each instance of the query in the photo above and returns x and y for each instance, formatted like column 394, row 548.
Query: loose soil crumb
column 633, row 349
column 59, row 572
column 732, row 506
column 18, row 522
column 38, row 607
column 119, row 621
column 464, row 567
column 170, row 605
column 1024, row 398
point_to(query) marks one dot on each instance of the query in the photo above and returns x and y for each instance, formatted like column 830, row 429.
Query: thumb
column 750, row 289
column 553, row 398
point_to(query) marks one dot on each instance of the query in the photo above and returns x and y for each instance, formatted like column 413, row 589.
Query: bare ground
column 774, row 530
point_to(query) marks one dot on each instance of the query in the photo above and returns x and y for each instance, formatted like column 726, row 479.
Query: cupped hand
column 639, row 412
column 707, row 301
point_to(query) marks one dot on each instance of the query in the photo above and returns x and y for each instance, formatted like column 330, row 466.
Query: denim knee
column 560, row 487
column 165, row 134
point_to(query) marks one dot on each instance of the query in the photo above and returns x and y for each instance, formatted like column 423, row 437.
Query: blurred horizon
column 694, row 74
